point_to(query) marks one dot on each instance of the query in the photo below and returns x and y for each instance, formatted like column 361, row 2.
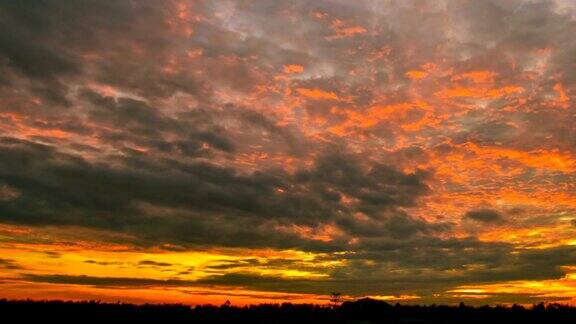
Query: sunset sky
column 271, row 151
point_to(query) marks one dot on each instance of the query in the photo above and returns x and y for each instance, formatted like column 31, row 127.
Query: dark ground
column 360, row 311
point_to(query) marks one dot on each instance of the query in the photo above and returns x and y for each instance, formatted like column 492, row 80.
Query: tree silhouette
column 364, row 310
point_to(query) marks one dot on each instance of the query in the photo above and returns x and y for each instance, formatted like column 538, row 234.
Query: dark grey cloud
column 154, row 263
column 9, row 264
column 52, row 254
column 105, row 281
column 232, row 264
column 103, row 263
column 484, row 215
column 374, row 279
column 163, row 199
column 532, row 264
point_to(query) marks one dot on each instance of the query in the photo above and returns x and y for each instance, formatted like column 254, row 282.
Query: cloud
column 104, row 281
column 484, row 216
column 154, row 263
column 361, row 278
column 102, row 263
column 61, row 189
column 9, row 264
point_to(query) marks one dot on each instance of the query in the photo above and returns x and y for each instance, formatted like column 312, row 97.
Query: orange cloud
column 477, row 76
column 416, row 74
column 394, row 113
column 293, row 68
column 478, row 92
column 324, row 232
column 558, row 288
column 563, row 99
column 342, row 30
column 541, row 159
column 317, row 94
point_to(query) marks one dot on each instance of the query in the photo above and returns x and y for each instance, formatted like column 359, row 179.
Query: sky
column 270, row 151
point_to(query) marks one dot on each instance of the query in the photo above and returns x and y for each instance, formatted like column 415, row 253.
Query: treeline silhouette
column 362, row 311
